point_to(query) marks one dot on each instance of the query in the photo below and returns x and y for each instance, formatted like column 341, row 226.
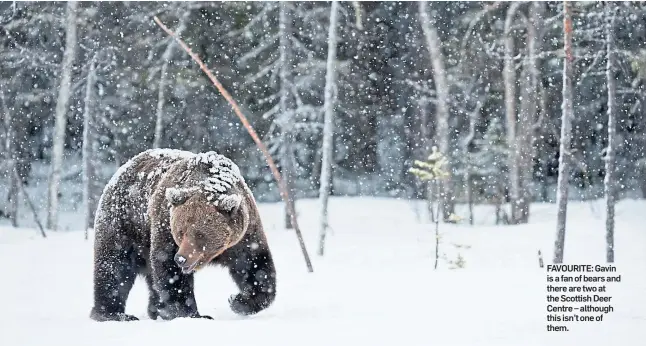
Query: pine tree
column 489, row 163
column 434, row 169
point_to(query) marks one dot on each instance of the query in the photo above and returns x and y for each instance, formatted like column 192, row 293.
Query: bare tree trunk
column 524, row 134
column 286, row 151
column 527, row 118
column 12, row 162
column 357, row 14
column 473, row 119
column 14, row 193
column 434, row 46
column 88, row 139
column 566, row 128
column 163, row 78
column 542, row 147
column 62, row 102
column 16, row 179
column 469, row 186
column 498, row 210
column 537, row 106
column 509, row 78
column 609, row 179
column 29, row 203
column 426, row 149
column 328, row 127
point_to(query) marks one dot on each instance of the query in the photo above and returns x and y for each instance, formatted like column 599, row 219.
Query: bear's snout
column 187, row 259
column 185, row 265
column 180, row 260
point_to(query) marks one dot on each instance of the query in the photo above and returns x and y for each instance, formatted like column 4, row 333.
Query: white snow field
column 375, row 285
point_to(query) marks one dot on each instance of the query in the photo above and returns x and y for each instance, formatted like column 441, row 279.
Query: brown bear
column 167, row 213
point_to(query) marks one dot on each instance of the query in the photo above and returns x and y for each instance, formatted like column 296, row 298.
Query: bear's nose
column 180, row 260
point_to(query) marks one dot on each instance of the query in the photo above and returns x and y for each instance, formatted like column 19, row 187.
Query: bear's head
column 204, row 227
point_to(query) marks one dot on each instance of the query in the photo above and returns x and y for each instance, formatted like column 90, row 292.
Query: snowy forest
column 85, row 86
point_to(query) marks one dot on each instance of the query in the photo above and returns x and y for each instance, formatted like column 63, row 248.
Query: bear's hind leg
column 114, row 275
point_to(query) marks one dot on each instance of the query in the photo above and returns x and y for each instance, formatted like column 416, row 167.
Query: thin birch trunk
column 566, row 127
column 357, row 14
column 62, row 103
column 286, row 150
column 509, row 79
column 434, row 46
column 426, row 149
column 12, row 162
column 328, row 127
column 88, row 140
column 528, row 117
column 473, row 119
column 524, row 125
column 542, row 147
column 163, row 78
column 609, row 179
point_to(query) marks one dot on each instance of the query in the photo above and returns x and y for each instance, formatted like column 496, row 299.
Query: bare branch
column 268, row 6
column 476, row 19
column 256, row 51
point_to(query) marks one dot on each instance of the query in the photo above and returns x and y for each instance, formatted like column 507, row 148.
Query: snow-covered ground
column 374, row 286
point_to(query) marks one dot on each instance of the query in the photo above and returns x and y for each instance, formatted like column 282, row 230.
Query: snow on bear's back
column 130, row 190
column 162, row 154
column 143, row 171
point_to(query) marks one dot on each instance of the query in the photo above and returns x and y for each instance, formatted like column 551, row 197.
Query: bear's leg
column 114, row 275
column 154, row 303
column 174, row 289
column 254, row 273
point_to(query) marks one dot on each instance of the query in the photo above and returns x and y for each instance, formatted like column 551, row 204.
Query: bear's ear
column 229, row 203
column 176, row 196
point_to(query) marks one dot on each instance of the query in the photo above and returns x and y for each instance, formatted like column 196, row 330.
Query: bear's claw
column 120, row 317
column 243, row 305
column 177, row 311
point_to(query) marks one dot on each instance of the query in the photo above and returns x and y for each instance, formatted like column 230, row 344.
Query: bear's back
column 129, row 191
column 125, row 197
column 143, row 171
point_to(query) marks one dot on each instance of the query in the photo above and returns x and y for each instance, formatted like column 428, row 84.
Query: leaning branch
column 14, row 171
column 29, row 202
column 254, row 135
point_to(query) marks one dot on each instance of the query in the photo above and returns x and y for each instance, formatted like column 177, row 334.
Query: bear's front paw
column 172, row 317
column 247, row 305
column 104, row 317
column 173, row 311
column 126, row 317
column 203, row 316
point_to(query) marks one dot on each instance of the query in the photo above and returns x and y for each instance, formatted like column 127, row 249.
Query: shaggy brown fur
column 164, row 215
